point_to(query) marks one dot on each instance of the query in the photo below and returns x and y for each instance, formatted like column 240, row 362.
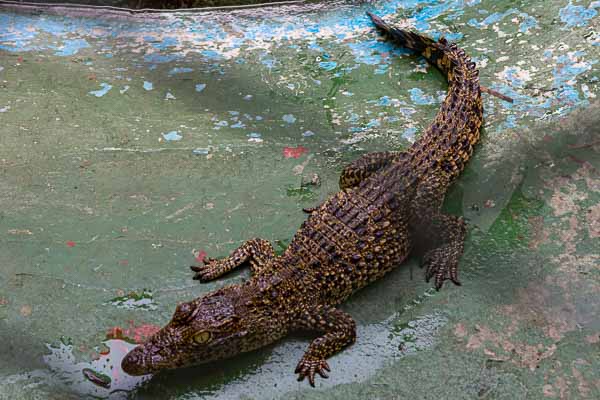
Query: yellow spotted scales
column 387, row 209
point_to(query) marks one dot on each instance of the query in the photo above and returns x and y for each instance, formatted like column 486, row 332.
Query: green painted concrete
column 101, row 215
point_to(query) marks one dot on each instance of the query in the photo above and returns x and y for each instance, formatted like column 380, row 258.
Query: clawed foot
column 441, row 264
column 309, row 366
column 206, row 272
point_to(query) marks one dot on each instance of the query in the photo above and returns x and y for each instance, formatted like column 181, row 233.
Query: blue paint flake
column 409, row 134
column 417, row 96
column 101, row 92
column 255, row 137
column 200, row 87
column 511, row 122
column 574, row 16
column 211, row 54
column 384, row 101
column 289, row 118
column 308, row 133
column 200, row 151
column 160, row 58
column 180, row 70
column 449, row 36
column 165, row 43
column 526, row 25
column 268, row 62
column 511, row 74
column 374, row 123
column 71, row 47
column 327, row 65
column 148, row 85
column 172, row 136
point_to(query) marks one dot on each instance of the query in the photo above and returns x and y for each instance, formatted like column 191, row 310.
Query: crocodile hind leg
column 339, row 331
column 361, row 168
column 441, row 262
column 258, row 252
column 440, row 236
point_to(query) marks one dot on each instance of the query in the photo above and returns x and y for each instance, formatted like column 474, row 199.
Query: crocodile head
column 216, row 326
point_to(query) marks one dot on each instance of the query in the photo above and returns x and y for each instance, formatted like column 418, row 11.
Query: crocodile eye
column 202, row 337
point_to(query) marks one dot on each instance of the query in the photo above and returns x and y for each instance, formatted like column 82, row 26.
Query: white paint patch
column 587, row 92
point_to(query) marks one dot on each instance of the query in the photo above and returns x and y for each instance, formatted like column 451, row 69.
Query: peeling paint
column 101, row 92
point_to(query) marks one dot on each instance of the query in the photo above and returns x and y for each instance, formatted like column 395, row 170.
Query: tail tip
column 376, row 20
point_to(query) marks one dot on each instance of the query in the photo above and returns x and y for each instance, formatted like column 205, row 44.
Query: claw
column 439, row 268
column 309, row 366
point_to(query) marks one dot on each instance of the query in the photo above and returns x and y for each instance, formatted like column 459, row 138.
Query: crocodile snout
column 135, row 363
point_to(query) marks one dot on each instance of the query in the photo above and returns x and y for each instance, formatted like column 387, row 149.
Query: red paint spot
column 20, row 59
column 201, row 256
column 143, row 332
column 71, row 243
column 294, row 152
column 123, row 262
column 138, row 334
column 115, row 333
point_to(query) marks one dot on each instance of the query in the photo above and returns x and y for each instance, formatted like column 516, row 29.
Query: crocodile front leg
column 441, row 236
column 258, row 252
column 339, row 331
column 360, row 169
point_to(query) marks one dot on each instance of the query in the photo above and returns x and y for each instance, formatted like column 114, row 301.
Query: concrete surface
column 129, row 146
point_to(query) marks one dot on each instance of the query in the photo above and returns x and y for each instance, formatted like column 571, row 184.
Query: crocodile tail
column 434, row 52
column 447, row 144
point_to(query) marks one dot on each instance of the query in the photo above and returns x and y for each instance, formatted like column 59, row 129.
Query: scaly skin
column 388, row 207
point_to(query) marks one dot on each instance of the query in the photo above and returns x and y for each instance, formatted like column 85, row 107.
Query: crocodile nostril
column 133, row 363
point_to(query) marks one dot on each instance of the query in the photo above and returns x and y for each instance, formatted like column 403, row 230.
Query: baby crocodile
column 388, row 208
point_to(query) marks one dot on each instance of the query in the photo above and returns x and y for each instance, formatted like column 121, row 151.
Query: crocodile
column 388, row 207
